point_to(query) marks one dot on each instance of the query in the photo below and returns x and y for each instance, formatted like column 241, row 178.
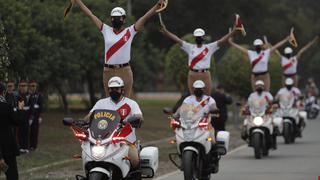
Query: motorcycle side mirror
column 67, row 121
column 168, row 110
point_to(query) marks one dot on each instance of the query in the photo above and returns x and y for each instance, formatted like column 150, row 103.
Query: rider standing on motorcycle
column 259, row 59
column 125, row 107
column 118, row 43
column 199, row 55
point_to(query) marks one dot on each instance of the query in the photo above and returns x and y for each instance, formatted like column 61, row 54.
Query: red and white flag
column 239, row 25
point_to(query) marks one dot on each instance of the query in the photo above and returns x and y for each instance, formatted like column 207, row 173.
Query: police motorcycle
column 312, row 108
column 258, row 130
column 289, row 118
column 196, row 154
column 105, row 142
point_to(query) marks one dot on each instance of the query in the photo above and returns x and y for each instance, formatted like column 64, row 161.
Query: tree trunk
column 92, row 96
column 63, row 95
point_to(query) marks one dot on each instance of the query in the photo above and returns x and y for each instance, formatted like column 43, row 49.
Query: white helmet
column 115, row 82
column 289, row 81
column 288, row 50
column 258, row 42
column 198, row 84
column 118, row 11
column 198, row 32
column 259, row 82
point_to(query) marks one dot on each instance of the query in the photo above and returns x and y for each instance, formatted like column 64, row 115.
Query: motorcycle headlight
column 98, row 152
column 258, row 121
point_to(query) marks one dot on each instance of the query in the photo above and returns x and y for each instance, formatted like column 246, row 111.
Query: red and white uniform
column 295, row 91
column 259, row 62
column 290, row 65
column 117, row 46
column 126, row 107
column 264, row 95
column 205, row 103
column 199, row 58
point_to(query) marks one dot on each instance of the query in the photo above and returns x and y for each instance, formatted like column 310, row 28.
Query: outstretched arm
column 226, row 37
column 269, row 45
column 279, row 44
column 87, row 11
column 307, row 46
column 170, row 35
column 141, row 21
column 237, row 46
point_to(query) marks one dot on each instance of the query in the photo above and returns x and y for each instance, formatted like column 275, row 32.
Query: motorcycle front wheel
column 98, row 176
column 257, row 145
column 287, row 133
column 189, row 165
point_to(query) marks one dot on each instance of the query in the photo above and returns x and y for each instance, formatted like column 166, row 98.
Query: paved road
column 299, row 161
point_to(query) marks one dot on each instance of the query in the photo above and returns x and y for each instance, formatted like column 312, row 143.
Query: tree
column 4, row 59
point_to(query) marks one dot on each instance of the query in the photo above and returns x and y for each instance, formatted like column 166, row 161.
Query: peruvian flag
column 239, row 25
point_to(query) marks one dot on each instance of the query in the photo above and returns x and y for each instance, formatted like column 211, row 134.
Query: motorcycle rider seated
column 126, row 108
column 290, row 89
column 203, row 104
column 259, row 93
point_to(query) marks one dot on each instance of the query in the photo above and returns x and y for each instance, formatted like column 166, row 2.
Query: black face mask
column 199, row 40
column 116, row 23
column 287, row 56
column 259, row 90
column 289, row 87
column 115, row 95
column 258, row 49
column 198, row 92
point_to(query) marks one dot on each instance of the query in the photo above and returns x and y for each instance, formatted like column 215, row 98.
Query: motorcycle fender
column 102, row 170
column 287, row 121
column 190, row 148
column 258, row 131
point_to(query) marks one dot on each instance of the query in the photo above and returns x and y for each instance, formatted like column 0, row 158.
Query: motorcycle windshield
column 286, row 100
column 103, row 123
column 190, row 115
column 258, row 106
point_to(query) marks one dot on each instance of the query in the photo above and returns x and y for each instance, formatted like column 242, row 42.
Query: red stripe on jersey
column 257, row 60
column 124, row 111
column 204, row 102
column 287, row 66
column 266, row 97
column 198, row 58
column 114, row 48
